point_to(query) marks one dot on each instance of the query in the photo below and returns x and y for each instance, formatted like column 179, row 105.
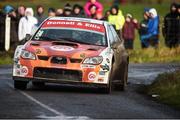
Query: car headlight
column 27, row 55
column 93, row 60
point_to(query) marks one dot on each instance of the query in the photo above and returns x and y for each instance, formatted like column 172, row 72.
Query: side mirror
column 28, row 37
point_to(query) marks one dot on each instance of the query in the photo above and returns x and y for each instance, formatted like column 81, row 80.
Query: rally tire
column 106, row 90
column 21, row 85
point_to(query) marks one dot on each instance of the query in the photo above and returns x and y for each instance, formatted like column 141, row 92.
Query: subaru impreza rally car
column 72, row 51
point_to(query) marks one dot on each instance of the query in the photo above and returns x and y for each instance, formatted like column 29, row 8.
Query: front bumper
column 59, row 81
column 71, row 72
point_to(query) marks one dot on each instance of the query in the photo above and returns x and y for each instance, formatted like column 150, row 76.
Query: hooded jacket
column 26, row 24
column 170, row 24
column 128, row 30
column 88, row 4
column 153, row 27
column 117, row 20
column 153, row 24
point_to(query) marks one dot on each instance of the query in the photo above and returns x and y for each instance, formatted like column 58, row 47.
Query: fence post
column 7, row 32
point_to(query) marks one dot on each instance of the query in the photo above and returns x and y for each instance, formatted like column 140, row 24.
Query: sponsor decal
column 88, row 66
column 101, row 79
column 18, row 72
column 39, row 34
column 62, row 48
column 92, row 76
column 38, row 51
column 24, row 71
column 102, row 72
column 83, row 55
column 105, row 67
column 107, row 59
column 74, row 24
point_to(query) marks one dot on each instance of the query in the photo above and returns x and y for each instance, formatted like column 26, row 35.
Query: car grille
column 59, row 74
column 59, row 60
column 75, row 60
column 46, row 58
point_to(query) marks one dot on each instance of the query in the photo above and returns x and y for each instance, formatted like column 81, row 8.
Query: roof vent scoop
column 35, row 44
column 93, row 49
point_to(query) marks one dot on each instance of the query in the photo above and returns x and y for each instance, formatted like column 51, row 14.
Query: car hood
column 68, row 49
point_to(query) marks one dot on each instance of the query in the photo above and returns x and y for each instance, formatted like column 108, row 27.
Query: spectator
column 128, row 31
column 178, row 24
column 98, row 5
column 143, row 28
column 21, row 11
column 117, row 19
column 59, row 12
column 78, row 11
column 93, row 10
column 67, row 10
column 170, row 27
column 51, row 12
column 26, row 24
column 107, row 13
column 2, row 29
column 40, row 14
column 153, row 29
column 99, row 15
column 13, row 29
column 8, row 11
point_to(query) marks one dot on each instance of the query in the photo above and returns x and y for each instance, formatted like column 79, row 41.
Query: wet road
column 56, row 101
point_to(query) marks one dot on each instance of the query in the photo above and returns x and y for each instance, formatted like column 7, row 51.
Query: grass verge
column 167, row 87
column 6, row 58
column 151, row 55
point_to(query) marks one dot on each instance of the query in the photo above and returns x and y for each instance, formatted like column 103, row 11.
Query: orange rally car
column 72, row 51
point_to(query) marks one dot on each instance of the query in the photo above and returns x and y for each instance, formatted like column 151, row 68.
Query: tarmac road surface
column 69, row 102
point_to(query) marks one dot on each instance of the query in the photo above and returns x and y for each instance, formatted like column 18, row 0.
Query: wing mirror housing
column 28, row 37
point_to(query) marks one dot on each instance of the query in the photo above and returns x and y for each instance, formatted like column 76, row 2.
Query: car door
column 119, row 55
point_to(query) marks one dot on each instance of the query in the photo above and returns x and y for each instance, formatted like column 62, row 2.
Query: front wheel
column 106, row 90
column 21, row 85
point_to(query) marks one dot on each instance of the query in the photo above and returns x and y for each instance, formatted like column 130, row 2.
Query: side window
column 111, row 37
column 115, row 34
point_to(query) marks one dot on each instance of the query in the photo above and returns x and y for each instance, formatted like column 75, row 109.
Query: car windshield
column 71, row 35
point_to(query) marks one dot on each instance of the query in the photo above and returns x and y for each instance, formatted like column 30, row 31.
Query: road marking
column 59, row 115
column 38, row 102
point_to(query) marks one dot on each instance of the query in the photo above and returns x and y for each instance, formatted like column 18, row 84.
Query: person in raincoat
column 153, row 30
column 26, row 24
column 128, row 31
column 170, row 28
column 90, row 3
column 117, row 19
column 143, row 28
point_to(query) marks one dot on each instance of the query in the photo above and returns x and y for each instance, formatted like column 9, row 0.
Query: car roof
column 78, row 19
